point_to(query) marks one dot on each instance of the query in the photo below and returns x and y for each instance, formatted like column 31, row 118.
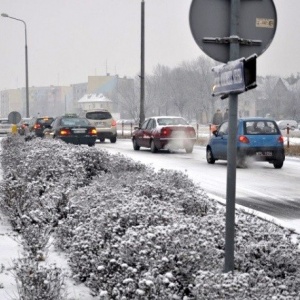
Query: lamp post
column 142, row 100
column 26, row 62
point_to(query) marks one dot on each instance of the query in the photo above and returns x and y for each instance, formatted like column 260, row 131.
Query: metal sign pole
column 233, row 23
column 231, row 146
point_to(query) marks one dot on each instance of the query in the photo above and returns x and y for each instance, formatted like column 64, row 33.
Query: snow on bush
column 36, row 282
column 133, row 233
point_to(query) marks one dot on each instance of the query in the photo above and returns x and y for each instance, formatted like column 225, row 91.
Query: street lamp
column 26, row 62
column 142, row 100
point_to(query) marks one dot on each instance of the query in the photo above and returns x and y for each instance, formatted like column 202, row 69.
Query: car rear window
column 74, row 122
column 261, row 127
column 98, row 115
column 172, row 121
column 46, row 121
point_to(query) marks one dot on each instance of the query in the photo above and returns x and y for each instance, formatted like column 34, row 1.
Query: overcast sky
column 69, row 40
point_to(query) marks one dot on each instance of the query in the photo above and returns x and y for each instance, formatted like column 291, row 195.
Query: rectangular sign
column 265, row 23
column 229, row 78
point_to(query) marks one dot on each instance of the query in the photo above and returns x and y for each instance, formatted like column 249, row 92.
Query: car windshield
column 98, row 115
column 172, row 121
column 261, row 127
column 74, row 122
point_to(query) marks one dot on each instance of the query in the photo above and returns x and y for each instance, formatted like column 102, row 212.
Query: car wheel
column 153, row 147
column 91, row 145
column 209, row 156
column 278, row 162
column 113, row 139
column 135, row 145
column 189, row 149
column 241, row 162
column 102, row 140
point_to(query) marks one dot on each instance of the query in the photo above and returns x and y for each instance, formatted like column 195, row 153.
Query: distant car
column 258, row 138
column 72, row 129
column 22, row 125
column 165, row 132
column 104, row 122
column 283, row 124
column 37, row 125
column 5, row 126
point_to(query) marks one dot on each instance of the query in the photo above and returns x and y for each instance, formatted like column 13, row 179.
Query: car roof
column 256, row 119
column 168, row 117
column 96, row 109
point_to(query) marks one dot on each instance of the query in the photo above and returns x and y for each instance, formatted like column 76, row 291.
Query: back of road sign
column 211, row 19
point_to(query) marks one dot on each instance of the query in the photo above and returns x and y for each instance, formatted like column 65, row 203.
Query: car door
column 139, row 134
column 148, row 132
column 219, row 142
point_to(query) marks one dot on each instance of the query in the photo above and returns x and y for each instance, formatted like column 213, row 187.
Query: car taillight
column 92, row 131
column 281, row 139
column 113, row 123
column 243, row 139
column 64, row 132
column 37, row 126
column 165, row 131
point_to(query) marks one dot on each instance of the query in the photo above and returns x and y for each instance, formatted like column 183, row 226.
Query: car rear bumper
column 262, row 153
column 174, row 143
column 84, row 140
column 106, row 135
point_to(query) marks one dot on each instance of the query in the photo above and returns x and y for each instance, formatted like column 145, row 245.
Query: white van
column 283, row 124
column 5, row 126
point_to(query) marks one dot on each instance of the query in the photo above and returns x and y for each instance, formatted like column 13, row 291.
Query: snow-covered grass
column 132, row 233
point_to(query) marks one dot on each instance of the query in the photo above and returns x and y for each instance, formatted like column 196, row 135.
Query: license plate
column 79, row 130
column 100, row 124
column 264, row 153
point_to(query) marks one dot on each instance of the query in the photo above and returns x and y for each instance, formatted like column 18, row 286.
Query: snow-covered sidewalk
column 10, row 250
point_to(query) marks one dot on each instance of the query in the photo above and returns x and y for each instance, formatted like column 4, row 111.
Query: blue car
column 258, row 138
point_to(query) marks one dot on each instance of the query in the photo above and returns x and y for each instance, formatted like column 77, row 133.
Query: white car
column 5, row 126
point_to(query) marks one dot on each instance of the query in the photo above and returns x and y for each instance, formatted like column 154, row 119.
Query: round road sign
column 14, row 117
column 210, row 26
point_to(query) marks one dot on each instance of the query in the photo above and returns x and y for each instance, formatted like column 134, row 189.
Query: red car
column 165, row 132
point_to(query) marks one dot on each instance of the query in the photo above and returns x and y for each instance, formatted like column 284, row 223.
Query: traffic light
column 235, row 77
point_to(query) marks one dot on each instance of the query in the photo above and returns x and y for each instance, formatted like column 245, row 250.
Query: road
column 260, row 187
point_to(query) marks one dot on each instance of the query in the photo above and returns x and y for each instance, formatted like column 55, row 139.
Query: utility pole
column 142, row 76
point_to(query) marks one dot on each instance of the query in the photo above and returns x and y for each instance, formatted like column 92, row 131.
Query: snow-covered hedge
column 133, row 233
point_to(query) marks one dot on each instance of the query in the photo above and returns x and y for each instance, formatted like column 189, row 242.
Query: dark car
column 165, row 132
column 37, row 125
column 72, row 129
column 258, row 138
